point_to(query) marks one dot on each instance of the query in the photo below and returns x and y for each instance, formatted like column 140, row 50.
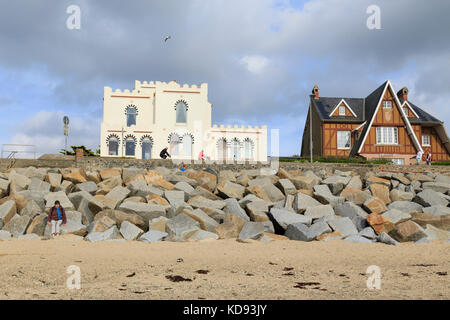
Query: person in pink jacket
column 201, row 156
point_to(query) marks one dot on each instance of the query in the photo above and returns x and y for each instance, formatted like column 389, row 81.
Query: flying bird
column 167, row 38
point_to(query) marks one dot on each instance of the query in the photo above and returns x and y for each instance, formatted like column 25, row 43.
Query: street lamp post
column 310, row 134
column 66, row 132
column 123, row 142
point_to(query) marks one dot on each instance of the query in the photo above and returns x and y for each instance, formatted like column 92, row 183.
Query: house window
column 130, row 146
column 342, row 110
column 387, row 135
column 344, row 139
column 113, row 146
column 426, row 141
column 405, row 110
column 131, row 116
column 387, row 105
column 181, row 108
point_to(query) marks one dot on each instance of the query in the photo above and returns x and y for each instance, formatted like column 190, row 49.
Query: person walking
column 164, row 154
column 428, row 158
column 419, row 157
column 56, row 216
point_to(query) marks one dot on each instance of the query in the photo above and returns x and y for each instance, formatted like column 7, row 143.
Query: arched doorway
column 147, row 145
column 187, row 146
column 235, row 149
column 174, row 141
column 248, row 149
column 222, row 149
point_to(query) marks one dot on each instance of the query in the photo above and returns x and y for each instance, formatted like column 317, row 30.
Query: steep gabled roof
column 371, row 103
column 325, row 105
column 424, row 117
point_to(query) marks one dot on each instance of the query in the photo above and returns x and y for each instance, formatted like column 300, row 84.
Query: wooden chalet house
column 384, row 125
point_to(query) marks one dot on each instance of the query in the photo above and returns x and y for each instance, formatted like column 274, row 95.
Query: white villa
column 155, row 115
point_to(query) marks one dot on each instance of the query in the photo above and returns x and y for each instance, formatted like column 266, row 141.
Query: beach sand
column 231, row 270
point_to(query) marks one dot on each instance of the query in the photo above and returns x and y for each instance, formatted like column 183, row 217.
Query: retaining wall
column 102, row 163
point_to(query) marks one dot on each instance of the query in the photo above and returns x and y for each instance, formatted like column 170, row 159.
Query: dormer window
column 387, row 105
column 405, row 110
column 342, row 109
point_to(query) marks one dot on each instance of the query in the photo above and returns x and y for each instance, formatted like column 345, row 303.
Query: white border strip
column 410, row 108
column 359, row 127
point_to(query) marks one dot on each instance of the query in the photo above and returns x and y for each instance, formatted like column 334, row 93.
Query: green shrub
column 87, row 152
column 337, row 160
column 441, row 163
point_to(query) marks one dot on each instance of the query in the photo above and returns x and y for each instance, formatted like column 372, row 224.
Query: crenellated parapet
column 108, row 92
column 241, row 129
column 171, row 85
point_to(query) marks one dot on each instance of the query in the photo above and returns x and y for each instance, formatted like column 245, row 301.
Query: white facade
column 155, row 115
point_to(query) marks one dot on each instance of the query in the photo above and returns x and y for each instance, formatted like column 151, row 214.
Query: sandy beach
column 224, row 269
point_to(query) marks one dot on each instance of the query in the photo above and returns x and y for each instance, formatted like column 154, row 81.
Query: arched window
column 113, row 145
column 130, row 146
column 174, row 141
column 131, row 112
column 181, row 109
column 222, row 149
column 187, row 145
column 235, row 149
column 146, row 144
column 248, row 149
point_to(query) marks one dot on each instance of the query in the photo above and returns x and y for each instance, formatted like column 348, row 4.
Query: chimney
column 403, row 94
column 315, row 92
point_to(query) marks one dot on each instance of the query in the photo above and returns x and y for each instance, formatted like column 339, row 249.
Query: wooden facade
column 436, row 147
column 389, row 118
column 368, row 114
column 329, row 139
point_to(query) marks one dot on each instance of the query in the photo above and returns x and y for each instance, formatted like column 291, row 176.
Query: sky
column 260, row 58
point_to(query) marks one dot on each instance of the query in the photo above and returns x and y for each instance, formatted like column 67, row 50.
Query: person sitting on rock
column 56, row 216
column 164, row 154
column 183, row 167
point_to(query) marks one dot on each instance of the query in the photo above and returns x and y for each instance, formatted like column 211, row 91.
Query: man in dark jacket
column 164, row 154
column 56, row 216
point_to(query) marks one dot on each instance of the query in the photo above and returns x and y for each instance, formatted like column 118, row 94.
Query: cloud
column 44, row 130
column 255, row 64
